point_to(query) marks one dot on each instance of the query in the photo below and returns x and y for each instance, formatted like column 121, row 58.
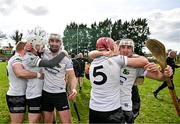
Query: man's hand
column 168, row 71
column 40, row 75
column 72, row 94
column 152, row 67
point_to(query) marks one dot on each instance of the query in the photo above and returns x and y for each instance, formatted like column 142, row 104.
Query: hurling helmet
column 105, row 43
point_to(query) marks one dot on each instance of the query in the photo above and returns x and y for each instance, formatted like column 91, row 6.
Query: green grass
column 158, row 111
column 152, row 110
column 4, row 115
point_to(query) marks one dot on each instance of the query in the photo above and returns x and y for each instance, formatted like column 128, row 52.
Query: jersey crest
column 18, row 59
column 126, row 71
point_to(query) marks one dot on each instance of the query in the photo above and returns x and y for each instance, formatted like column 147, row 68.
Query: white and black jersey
column 127, row 79
column 17, row 86
column 105, row 82
column 54, row 78
column 34, row 86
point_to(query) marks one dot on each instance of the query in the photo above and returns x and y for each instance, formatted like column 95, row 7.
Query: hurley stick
column 76, row 110
column 159, row 52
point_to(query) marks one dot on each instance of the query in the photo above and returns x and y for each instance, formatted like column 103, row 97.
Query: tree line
column 81, row 38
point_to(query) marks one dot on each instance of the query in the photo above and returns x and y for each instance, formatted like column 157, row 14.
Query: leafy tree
column 117, row 30
column 83, row 38
column 17, row 36
column 76, row 38
column 103, row 29
column 70, row 38
column 80, row 38
column 138, row 30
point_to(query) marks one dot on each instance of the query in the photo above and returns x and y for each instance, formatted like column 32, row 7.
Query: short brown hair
column 20, row 45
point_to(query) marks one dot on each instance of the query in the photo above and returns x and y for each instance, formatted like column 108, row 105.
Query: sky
column 53, row 15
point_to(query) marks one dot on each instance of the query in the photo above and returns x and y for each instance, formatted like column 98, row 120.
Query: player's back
column 105, row 81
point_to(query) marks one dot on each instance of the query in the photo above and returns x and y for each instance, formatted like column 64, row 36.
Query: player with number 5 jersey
column 105, row 104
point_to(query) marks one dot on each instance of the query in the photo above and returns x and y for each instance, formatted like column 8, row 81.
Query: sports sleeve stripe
column 17, row 60
column 125, row 60
column 69, row 69
column 36, row 61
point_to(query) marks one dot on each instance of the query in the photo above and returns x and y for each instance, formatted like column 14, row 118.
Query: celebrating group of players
column 38, row 78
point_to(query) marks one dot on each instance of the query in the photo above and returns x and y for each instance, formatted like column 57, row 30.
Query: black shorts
column 80, row 74
column 54, row 100
column 129, row 116
column 115, row 116
column 34, row 105
column 16, row 104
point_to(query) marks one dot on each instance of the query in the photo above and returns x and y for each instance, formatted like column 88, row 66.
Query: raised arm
column 53, row 62
column 138, row 62
column 48, row 63
column 95, row 53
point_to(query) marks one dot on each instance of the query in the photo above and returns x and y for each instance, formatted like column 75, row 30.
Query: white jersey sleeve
column 120, row 60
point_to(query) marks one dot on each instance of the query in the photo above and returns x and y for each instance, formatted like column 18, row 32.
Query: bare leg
column 48, row 117
column 65, row 117
column 34, row 118
column 17, row 118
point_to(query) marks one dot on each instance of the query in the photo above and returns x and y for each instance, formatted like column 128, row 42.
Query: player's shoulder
column 65, row 52
column 29, row 56
column 16, row 57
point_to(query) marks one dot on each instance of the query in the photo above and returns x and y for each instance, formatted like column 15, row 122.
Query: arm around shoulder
column 138, row 62
column 53, row 62
column 95, row 53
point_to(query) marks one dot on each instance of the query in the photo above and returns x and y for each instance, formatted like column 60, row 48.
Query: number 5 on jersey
column 97, row 72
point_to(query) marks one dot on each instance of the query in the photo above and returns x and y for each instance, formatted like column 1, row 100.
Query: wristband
column 38, row 75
